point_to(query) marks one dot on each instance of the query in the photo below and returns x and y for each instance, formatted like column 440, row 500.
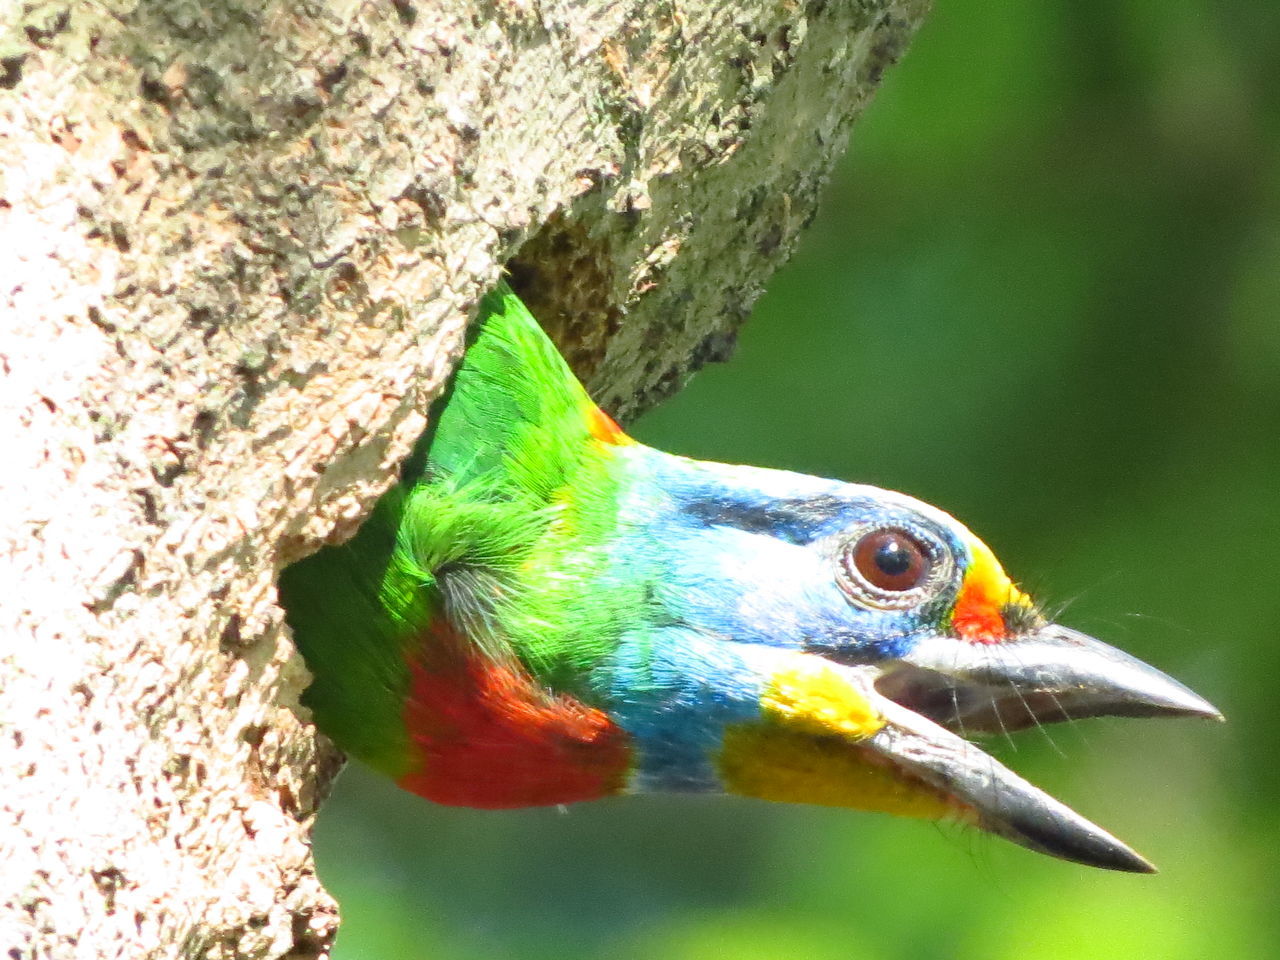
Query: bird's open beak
column 906, row 752
column 947, row 686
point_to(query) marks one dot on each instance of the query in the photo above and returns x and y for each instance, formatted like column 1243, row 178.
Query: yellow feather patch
column 807, row 748
column 813, row 697
column 773, row 763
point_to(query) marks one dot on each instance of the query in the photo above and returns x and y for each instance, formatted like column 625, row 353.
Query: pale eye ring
column 890, row 567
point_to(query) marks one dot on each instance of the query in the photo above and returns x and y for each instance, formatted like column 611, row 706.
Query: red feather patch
column 488, row 735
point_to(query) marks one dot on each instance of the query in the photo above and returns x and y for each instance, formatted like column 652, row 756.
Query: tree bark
column 239, row 243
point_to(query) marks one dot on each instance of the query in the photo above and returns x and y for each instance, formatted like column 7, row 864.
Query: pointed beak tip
column 1115, row 856
column 1213, row 713
column 1191, row 704
column 1047, row 826
column 1130, row 861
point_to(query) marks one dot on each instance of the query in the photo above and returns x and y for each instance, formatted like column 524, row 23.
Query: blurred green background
column 1043, row 293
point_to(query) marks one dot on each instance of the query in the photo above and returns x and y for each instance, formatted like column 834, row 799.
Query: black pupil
column 892, row 557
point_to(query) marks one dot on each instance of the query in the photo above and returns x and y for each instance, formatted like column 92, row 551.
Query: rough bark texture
column 238, row 245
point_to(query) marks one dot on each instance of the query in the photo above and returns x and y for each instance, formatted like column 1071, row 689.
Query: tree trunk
column 239, row 243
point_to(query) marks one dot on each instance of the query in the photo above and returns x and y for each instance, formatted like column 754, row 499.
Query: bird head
column 883, row 635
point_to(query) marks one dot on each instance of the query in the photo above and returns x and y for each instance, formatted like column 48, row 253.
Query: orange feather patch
column 604, row 428
column 985, row 594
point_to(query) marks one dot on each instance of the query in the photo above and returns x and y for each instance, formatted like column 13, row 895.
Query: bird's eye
column 891, row 567
column 891, row 560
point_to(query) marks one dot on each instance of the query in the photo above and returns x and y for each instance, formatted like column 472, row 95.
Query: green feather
column 486, row 528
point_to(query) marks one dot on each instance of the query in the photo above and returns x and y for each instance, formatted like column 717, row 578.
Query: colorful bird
column 544, row 611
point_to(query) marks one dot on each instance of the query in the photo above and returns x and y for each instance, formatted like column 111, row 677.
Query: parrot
column 544, row 611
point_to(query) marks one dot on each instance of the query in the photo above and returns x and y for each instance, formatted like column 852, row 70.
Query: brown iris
column 891, row 560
